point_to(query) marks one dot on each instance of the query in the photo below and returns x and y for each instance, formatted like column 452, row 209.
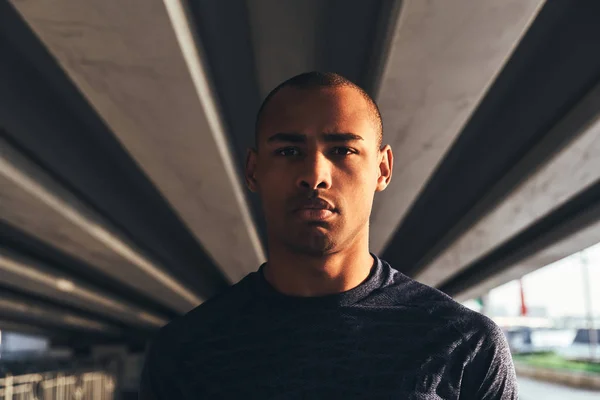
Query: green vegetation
column 552, row 360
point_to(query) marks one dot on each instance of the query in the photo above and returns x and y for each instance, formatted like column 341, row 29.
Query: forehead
column 318, row 110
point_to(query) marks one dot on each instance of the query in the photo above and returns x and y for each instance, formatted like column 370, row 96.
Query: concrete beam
column 569, row 245
column 32, row 277
column 441, row 63
column 284, row 35
column 140, row 67
column 558, row 178
column 9, row 326
column 290, row 37
column 22, row 309
column 34, row 202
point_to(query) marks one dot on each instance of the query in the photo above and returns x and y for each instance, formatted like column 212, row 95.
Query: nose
column 315, row 172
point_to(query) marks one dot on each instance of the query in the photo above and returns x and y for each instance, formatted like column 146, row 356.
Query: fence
column 88, row 385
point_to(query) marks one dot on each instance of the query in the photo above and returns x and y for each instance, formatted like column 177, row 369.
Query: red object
column 523, row 306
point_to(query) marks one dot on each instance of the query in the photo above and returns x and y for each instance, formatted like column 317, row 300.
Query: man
column 324, row 318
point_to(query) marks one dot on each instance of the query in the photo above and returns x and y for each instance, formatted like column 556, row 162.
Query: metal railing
column 88, row 385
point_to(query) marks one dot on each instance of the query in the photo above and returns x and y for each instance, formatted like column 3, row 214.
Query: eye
column 287, row 152
column 343, row 151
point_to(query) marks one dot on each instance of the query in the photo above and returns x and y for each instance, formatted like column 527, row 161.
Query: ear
column 250, row 170
column 386, row 165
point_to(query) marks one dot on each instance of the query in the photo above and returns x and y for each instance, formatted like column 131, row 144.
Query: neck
column 299, row 274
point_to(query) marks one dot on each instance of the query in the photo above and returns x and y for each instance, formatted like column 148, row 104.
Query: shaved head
column 320, row 80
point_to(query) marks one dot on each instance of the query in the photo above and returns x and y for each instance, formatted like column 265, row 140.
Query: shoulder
column 181, row 333
column 400, row 290
column 488, row 367
column 228, row 303
column 437, row 307
column 490, row 372
column 476, row 329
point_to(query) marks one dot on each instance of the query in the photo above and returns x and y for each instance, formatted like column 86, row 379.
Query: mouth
column 314, row 214
column 315, row 210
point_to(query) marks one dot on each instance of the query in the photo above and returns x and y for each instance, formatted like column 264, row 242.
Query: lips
column 314, row 214
column 315, row 204
column 314, row 209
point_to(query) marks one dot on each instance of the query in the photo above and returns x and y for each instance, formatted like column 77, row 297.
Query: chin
column 314, row 245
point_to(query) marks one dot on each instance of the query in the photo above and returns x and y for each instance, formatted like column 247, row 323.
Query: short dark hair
column 316, row 79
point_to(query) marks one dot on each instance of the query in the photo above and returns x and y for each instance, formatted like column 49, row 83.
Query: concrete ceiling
column 27, row 311
column 518, row 111
column 125, row 127
column 157, row 101
column 33, row 201
column 32, row 277
column 549, row 253
column 561, row 177
column 442, row 61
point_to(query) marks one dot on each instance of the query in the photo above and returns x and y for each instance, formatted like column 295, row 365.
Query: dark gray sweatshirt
column 389, row 338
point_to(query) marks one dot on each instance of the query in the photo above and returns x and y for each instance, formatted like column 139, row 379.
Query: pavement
column 530, row 389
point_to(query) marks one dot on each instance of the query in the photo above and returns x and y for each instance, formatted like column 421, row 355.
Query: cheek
column 273, row 187
column 274, row 180
column 360, row 187
column 361, row 177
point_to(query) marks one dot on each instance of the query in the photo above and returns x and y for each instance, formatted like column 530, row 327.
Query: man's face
column 317, row 167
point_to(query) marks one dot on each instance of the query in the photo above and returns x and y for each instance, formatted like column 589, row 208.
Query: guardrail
column 578, row 379
column 83, row 385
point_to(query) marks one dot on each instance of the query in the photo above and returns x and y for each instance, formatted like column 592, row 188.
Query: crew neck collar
column 349, row 297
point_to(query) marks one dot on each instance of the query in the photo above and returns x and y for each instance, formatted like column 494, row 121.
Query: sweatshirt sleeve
column 490, row 373
column 158, row 380
column 148, row 390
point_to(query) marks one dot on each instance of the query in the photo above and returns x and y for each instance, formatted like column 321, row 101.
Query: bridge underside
column 124, row 127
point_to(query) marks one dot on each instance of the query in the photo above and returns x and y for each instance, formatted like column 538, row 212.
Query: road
column 530, row 389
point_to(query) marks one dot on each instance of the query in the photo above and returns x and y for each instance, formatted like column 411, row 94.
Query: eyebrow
column 300, row 138
column 287, row 137
column 341, row 137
